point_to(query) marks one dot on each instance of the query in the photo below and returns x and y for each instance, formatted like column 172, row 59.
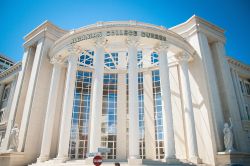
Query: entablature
column 196, row 24
column 116, row 34
column 10, row 73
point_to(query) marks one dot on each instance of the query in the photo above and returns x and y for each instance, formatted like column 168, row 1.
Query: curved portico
column 111, row 53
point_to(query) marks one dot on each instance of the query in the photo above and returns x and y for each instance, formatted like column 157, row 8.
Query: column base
column 4, row 148
column 61, row 159
column 42, row 159
column 195, row 160
column 89, row 161
column 172, row 160
column 134, row 161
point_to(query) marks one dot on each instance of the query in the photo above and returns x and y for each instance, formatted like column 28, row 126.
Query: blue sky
column 19, row 17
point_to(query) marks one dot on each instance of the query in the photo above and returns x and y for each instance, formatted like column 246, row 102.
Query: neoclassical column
column 240, row 98
column 24, row 73
column 121, row 147
column 50, row 113
column 149, row 122
column 41, row 50
column 96, row 112
column 134, row 152
column 188, row 108
column 67, row 108
column 168, row 128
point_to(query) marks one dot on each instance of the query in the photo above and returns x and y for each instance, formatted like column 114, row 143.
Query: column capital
column 100, row 41
column 182, row 57
column 64, row 136
column 74, row 49
column 57, row 60
column 162, row 46
column 27, row 48
column 132, row 41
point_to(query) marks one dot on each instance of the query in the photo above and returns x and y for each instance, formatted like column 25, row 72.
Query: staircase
column 111, row 163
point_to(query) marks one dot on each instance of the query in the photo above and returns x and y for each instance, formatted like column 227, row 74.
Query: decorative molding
column 74, row 49
column 183, row 56
column 100, row 23
column 46, row 25
column 199, row 19
column 45, row 30
column 132, row 41
column 57, row 59
column 196, row 24
column 6, row 58
column 163, row 46
column 132, row 22
column 238, row 63
column 100, row 42
column 11, row 70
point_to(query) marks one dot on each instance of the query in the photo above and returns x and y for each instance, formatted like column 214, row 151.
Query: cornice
column 6, row 58
column 11, row 70
column 196, row 24
column 238, row 64
column 46, row 29
column 131, row 23
column 44, row 25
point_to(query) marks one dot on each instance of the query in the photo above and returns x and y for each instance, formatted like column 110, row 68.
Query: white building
column 143, row 91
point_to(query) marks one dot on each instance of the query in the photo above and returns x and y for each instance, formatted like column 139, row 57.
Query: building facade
column 141, row 91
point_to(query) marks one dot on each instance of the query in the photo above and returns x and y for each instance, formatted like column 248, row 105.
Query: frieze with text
column 119, row 33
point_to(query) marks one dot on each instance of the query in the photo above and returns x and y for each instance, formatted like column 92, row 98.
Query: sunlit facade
column 133, row 92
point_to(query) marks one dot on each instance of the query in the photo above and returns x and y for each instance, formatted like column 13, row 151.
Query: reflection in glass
column 159, row 141
column 109, row 112
column 80, row 116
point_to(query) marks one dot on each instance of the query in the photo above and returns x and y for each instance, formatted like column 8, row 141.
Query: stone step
column 111, row 163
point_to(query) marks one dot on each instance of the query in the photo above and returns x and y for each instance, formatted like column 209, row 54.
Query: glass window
column 86, row 58
column 80, row 116
column 154, row 58
column 159, row 141
column 111, row 60
column 141, row 115
column 139, row 59
column 6, row 92
column 109, row 113
column 247, row 85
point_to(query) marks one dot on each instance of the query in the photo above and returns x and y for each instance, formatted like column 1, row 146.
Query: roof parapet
column 46, row 28
column 196, row 24
column 238, row 63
